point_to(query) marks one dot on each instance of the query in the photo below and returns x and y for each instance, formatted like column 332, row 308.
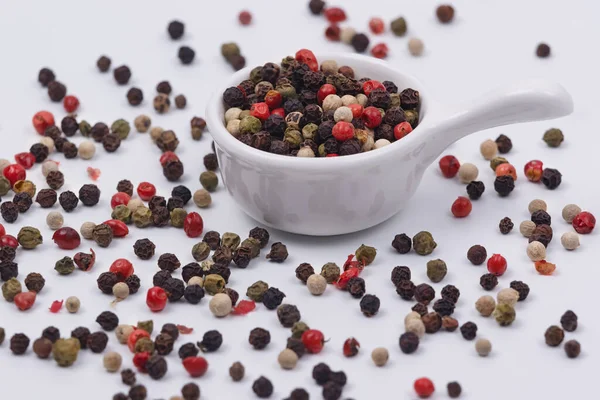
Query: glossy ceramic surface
column 331, row 196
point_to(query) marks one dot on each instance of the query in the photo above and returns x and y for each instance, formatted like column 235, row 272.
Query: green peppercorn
column 229, row 50
column 209, row 180
column 257, row 290
column 65, row 266
column 230, row 240
column 398, row 26
column 11, row 288
column 321, row 150
column 214, row 284
column 254, row 246
column 244, row 114
column 200, row 251
column 287, row 91
column 178, row 217
column 121, row 128
column 436, row 270
column 298, row 329
column 366, row 254
column 29, row 237
column 505, row 314
column 147, row 325
column 122, row 213
column 256, row 74
column 142, row 217
column 144, row 345
column 423, row 243
column 553, row 137
column 250, row 124
column 85, row 128
column 65, row 351
column 2, row 335
column 293, row 137
column 331, row 272
column 412, row 117
column 4, row 186
column 497, row 161
column 395, row 100
column 309, row 131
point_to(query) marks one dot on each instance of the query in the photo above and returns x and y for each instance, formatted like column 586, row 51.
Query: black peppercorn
column 53, row 132
column 56, row 91
column 259, row 338
column 7, row 253
column 542, row 234
column 212, row 239
column 161, row 277
column 9, row 211
column 409, row 99
column 400, row 273
column 402, row 243
column 541, row 217
column 380, row 98
column 8, row 269
column 369, row 305
column 454, row 390
column 303, row 271
column 360, row 42
column 144, row 249
column 383, row 131
column 520, row 287
column 233, row 295
column 278, row 252
column 316, row 7
column 405, row 289
column 488, row 281
column 432, row 322
column 173, row 170
column 262, row 387
column 168, row 262
column 23, row 201
column 19, row 343
column 211, row 341
column 46, row 198
column 70, row 150
column 260, row 234
column 68, row 201
column 122, row 74
column 475, row 189
column 138, row 392
column 272, row 298
column 98, row 131
column 174, row 202
column 103, row 63
column 504, row 144
column 111, row 142
column 180, row 101
column 331, row 391
column 174, row 288
column 164, row 87
column 451, row 292
column 409, row 342
column 163, row 344
column 182, row 192
column 506, row 225
column 97, row 341
column 222, row 258
column 51, row 333
column 569, row 321
column 190, row 270
column 424, row 293
column 106, row 281
column 59, row 142
column 186, row 55
column 468, row 330
column 133, row 283
column 443, row 307
column 420, row 308
column 81, row 333
column 477, row 254
column 542, row 50
column 45, row 76
column 156, row 367
column 175, row 30
column 135, row 96
column 69, row 125
column 108, row 320
column 356, row 287
column 193, row 294
column 299, row 393
column 128, row 377
column 296, row 345
column 288, row 315
column 89, row 194
column 40, row 152
column 321, row 373
column 504, row 185
column 188, row 350
column 190, row 391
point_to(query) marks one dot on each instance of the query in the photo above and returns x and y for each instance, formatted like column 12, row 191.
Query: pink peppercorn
column 380, row 50
column 335, row 15
column 245, row 18
column 333, row 33
column 372, row 117
column 343, row 131
column 376, row 25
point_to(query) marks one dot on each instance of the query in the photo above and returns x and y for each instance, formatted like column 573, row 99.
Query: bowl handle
column 532, row 100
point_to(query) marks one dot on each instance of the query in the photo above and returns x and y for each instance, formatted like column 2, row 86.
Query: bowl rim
column 231, row 145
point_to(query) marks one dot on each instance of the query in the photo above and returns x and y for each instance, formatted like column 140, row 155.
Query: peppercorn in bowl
column 308, row 190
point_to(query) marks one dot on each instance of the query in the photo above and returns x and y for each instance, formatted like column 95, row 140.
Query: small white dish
column 331, row 196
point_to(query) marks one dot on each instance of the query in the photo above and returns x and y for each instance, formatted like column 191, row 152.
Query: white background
column 489, row 43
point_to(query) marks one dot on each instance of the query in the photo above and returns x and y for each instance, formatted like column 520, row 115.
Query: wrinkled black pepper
column 97, row 342
column 356, row 287
column 211, row 341
column 262, row 387
column 69, row 125
column 504, row 185
column 106, row 281
column 81, row 333
column 156, row 367
column 400, row 273
column 122, row 74
column 128, row 377
column 475, row 189
column 108, row 320
column 369, row 305
column 424, row 293
column 186, row 55
column 174, row 288
column 551, row 178
column 68, row 201
column 23, row 201
column 420, row 308
column 39, row 151
column 409, row 342
column 288, row 315
column 163, row 344
column 272, row 298
column 451, row 292
column 51, row 333
column 89, row 194
column 468, row 330
column 193, row 294
column 488, row 281
column 188, row 350
column 260, row 234
column 45, row 76
column 443, row 307
column 522, row 288
column 19, row 343
column 168, row 262
column 133, row 283
column 297, row 346
column 56, row 91
column 160, row 278
column 506, row 225
column 402, row 243
column 477, row 254
column 321, row 373
column 135, row 96
column 569, row 321
column 405, row 289
column 259, row 338
column 9, row 211
column 182, row 192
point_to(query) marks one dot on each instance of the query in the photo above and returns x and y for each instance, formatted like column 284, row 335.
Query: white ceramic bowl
column 331, row 196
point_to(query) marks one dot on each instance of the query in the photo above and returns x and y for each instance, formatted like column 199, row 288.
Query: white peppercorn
column 287, row 359
column 329, row 67
column 507, row 296
column 346, row 34
column 155, row 132
column 55, row 220
column 316, row 284
column 570, row 240
column 416, row 47
column 196, row 280
column 4, row 163
column 87, row 229
column 232, row 113
column 112, row 361
column 48, row 142
column 332, row 102
column 72, row 304
column 485, row 305
column 233, row 127
column 527, row 227
column 134, row 204
column 410, row 316
column 415, row 326
column 142, row 123
column 536, row 205
column 202, row 198
column 348, row 99
column 467, row 173
column 570, row 211
column 483, row 347
column 86, row 150
column 122, row 332
column 362, row 99
column 381, row 143
column 380, row 356
column 305, row 151
column 48, row 166
column 343, row 113
column 488, row 149
column 120, row 291
column 536, row 251
column 220, row 305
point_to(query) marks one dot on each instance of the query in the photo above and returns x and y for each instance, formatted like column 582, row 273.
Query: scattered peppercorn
column 506, row 225
column 572, row 348
column 542, row 50
column 423, row 243
column 409, row 342
column 569, row 321
column 262, row 387
column 186, row 55
column 402, row 243
column 369, row 305
column 108, row 320
column 551, row 178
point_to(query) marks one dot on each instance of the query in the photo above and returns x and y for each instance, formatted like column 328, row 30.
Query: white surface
column 490, row 43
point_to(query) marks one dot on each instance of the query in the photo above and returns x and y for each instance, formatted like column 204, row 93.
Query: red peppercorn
column 24, row 300
column 424, row 387
column 118, row 227
column 356, row 109
column 351, row 347
column 2, row 230
column 245, row 18
column 260, row 111
column 343, row 131
column 279, row 111
column 313, row 340
column 243, row 307
column 371, row 85
column 273, row 99
column 9, row 240
column 544, row 268
column 122, row 268
column 136, row 335
column 377, row 25
column 41, row 120
column 584, row 222
column 380, row 50
column 14, row 173
column 119, row 198
column 307, row 57
column 346, row 276
column 156, row 299
column 66, row 238
column 461, row 207
column 168, row 156
column 335, row 14
column 333, row 33
column 70, row 103
column 140, row 360
column 496, row 265
column 372, row 117
column 534, row 170
column 25, row 159
column 195, row 366
column 506, row 169
column 332, row 155
column 402, row 129
column 449, row 166
column 325, row 91
column 146, row 190
column 193, row 225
